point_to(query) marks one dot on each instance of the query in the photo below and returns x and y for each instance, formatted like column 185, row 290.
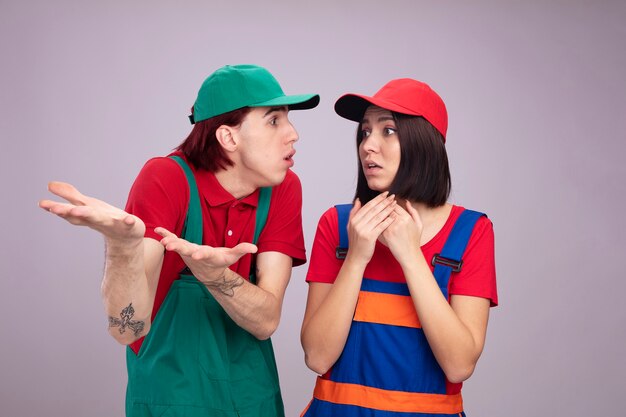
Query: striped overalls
column 387, row 367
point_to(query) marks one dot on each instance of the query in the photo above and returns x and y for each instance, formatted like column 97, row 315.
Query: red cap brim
column 353, row 106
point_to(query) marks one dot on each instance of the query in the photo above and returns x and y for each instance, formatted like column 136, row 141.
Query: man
column 199, row 344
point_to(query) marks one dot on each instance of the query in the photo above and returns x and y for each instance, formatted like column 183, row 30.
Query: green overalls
column 195, row 360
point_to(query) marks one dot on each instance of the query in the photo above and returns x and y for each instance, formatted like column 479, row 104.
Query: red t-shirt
column 477, row 277
column 160, row 196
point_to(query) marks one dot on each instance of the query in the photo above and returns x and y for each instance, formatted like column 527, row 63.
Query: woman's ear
column 226, row 136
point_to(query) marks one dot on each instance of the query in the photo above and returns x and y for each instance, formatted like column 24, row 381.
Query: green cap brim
column 296, row 102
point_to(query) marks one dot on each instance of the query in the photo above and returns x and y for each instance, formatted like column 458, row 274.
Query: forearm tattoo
column 125, row 321
column 224, row 285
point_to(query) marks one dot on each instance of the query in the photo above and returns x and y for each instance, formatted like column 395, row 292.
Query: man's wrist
column 225, row 283
column 117, row 247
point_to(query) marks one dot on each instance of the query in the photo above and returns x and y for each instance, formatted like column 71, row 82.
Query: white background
column 536, row 100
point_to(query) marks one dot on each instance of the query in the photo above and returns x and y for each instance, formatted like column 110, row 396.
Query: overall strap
column 450, row 259
column 192, row 229
column 263, row 208
column 343, row 214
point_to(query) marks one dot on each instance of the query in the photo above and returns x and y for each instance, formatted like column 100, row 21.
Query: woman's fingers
column 365, row 211
column 374, row 211
column 384, row 213
column 407, row 214
column 414, row 213
column 355, row 208
column 384, row 224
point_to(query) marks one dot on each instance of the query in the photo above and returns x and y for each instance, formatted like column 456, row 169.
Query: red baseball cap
column 404, row 95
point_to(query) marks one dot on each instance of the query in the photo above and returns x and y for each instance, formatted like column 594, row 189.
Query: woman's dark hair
column 423, row 175
column 201, row 147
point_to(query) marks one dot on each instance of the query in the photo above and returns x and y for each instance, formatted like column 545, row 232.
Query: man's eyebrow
column 273, row 109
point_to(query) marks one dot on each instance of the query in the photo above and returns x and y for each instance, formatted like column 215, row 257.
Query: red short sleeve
column 159, row 196
column 324, row 265
column 283, row 230
column 478, row 276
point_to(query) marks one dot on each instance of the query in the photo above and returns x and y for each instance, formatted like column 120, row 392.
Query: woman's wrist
column 414, row 265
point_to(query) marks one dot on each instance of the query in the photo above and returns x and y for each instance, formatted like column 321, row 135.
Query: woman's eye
column 389, row 131
column 365, row 133
column 274, row 121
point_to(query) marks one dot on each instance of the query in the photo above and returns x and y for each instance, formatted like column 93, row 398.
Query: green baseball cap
column 235, row 86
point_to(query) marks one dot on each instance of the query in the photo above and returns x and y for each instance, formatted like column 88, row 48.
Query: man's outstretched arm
column 132, row 262
column 256, row 308
column 128, row 287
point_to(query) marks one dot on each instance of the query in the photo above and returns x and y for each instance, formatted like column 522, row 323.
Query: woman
column 397, row 326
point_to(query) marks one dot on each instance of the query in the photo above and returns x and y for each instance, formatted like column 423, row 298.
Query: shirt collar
column 215, row 195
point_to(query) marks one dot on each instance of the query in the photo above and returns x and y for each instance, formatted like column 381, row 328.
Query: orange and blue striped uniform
column 387, row 368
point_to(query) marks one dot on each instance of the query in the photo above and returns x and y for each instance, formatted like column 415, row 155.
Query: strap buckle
column 340, row 253
column 440, row 260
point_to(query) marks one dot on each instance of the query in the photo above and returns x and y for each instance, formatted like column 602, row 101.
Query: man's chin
column 274, row 180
